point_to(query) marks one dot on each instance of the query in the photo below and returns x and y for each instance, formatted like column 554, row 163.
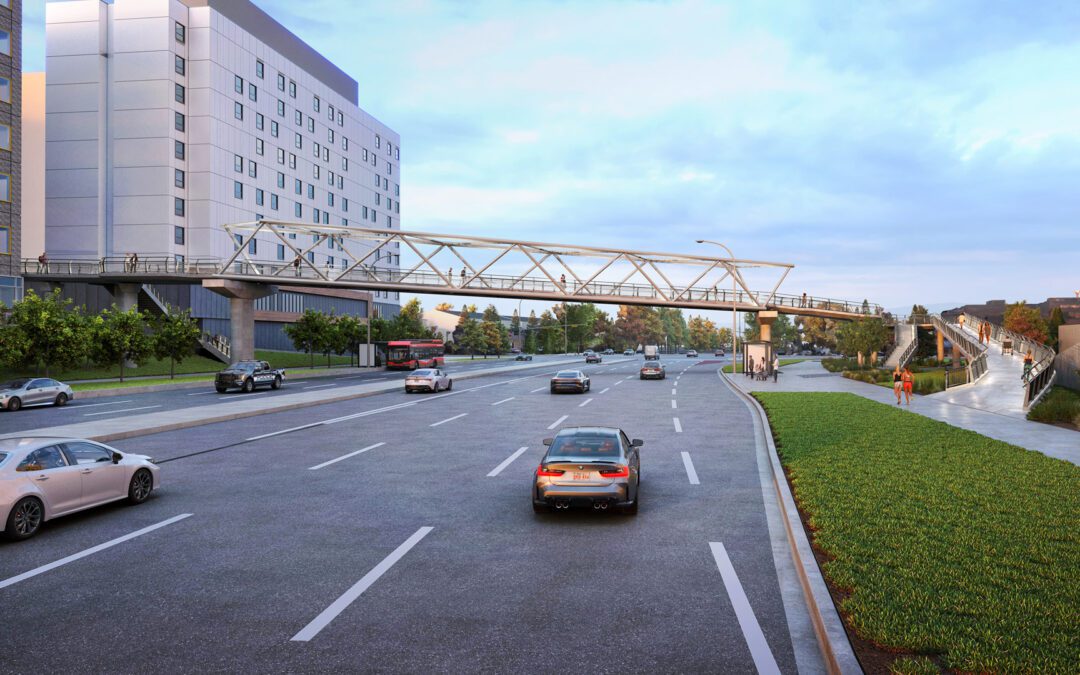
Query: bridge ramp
column 999, row 391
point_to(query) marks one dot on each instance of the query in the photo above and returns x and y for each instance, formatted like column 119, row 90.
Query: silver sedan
column 428, row 379
column 17, row 393
column 43, row 478
column 589, row 466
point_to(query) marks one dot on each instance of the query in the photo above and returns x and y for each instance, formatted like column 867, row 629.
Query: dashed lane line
column 95, row 405
column 605, row 390
column 506, row 462
column 320, row 386
column 674, row 404
column 558, row 422
column 346, row 456
column 448, row 419
column 691, row 473
column 537, row 389
column 503, row 401
column 678, row 425
column 585, row 403
column 674, row 392
column 619, row 382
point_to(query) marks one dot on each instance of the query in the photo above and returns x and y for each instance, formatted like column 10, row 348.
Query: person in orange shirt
column 908, row 380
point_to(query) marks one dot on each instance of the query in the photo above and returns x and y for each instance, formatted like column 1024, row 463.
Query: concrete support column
column 126, row 296
column 242, row 296
column 940, row 346
column 765, row 321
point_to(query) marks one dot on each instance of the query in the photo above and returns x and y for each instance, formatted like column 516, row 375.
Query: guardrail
column 1041, row 376
column 975, row 353
column 122, row 265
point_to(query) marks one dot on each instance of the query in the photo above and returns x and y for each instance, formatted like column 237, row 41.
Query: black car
column 523, row 357
column 247, row 375
column 570, row 380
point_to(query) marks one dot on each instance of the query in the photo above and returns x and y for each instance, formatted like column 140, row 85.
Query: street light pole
column 734, row 289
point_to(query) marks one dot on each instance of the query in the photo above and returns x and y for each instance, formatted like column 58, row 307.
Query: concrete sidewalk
column 811, row 376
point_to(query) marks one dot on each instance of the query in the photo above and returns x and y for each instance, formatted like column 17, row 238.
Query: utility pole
column 565, row 319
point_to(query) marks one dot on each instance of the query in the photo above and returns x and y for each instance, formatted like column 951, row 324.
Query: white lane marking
column 605, row 390
column 338, row 606
column 674, row 392
column 506, row 462
column 678, row 425
column 629, row 377
column 537, row 389
column 690, row 472
column 351, row 454
column 558, row 422
column 365, row 413
column 90, row 551
column 585, row 403
column 202, row 393
column 448, row 419
column 122, row 410
column 283, row 431
column 619, row 382
column 755, row 639
column 320, row 386
column 674, row 404
column 503, row 401
column 95, row 405
column 299, row 382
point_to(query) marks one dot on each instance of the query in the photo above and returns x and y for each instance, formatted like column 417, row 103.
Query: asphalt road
column 89, row 409
column 398, row 536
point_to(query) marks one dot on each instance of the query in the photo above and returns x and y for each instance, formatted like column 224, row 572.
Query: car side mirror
column 549, row 441
column 637, row 442
column 116, row 457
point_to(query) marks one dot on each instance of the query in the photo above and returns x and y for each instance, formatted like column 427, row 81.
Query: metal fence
column 1042, row 375
column 975, row 352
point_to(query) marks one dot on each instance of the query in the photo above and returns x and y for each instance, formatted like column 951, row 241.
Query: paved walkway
column 1049, row 440
column 999, row 391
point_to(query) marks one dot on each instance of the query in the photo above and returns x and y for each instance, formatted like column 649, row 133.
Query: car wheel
column 221, row 390
column 449, row 385
column 631, row 508
column 14, row 404
column 140, row 486
column 25, row 519
column 276, row 384
column 540, row 508
column 61, row 399
column 553, row 390
column 249, row 386
column 435, row 387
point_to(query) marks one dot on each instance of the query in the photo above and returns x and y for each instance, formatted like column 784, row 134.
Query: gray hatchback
column 589, row 466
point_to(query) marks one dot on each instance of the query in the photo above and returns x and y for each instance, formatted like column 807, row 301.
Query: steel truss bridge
column 494, row 268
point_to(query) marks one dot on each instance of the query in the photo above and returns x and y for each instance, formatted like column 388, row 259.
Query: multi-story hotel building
column 10, row 148
column 167, row 118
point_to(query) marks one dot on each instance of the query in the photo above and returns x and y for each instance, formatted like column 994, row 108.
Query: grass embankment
column 941, row 542
column 783, row 362
column 194, row 364
column 1059, row 406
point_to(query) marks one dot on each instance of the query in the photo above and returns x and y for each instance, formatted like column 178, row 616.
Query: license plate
column 581, row 475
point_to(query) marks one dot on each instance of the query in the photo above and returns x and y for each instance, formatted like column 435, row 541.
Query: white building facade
column 167, row 118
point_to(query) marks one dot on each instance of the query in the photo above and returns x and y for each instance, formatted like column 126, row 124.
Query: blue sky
column 906, row 152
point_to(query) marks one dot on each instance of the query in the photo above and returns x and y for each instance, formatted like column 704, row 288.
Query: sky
column 907, row 152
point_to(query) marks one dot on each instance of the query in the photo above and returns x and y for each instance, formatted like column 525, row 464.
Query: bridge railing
column 975, row 352
column 122, row 265
column 1036, row 381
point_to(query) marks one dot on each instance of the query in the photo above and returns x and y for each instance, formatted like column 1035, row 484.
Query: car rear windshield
column 566, row 373
column 582, row 446
column 421, row 373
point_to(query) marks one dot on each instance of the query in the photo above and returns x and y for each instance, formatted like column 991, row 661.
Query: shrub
column 1060, row 405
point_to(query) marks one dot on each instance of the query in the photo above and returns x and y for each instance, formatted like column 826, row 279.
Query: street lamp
column 733, row 293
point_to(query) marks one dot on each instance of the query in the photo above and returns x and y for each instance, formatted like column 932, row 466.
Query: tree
column 472, row 336
column 493, row 331
column 350, row 333
column 1025, row 320
column 752, row 332
column 551, row 333
column 862, row 338
column 176, row 336
column 723, row 338
column 532, row 336
column 515, row 324
column 1057, row 319
column 818, row 331
column 675, row 330
column 604, row 330
column 310, row 332
column 409, row 323
column 49, row 331
column 444, row 307
column 636, row 325
column 919, row 314
column 698, row 337
column 120, row 337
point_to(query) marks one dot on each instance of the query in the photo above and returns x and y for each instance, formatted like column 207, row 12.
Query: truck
column 652, row 353
column 247, row 375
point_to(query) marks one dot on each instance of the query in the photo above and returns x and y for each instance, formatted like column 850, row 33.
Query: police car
column 247, row 375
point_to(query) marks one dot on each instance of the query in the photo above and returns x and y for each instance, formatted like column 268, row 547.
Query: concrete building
column 33, row 164
column 11, row 284
column 445, row 322
column 167, row 118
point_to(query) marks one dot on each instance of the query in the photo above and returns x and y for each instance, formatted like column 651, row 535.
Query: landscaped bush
column 839, row 364
column 1060, row 406
column 875, row 376
column 941, row 541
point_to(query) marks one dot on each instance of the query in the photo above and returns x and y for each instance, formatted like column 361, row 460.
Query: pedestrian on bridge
column 463, row 277
column 1029, row 363
column 450, row 276
column 296, row 265
column 43, row 262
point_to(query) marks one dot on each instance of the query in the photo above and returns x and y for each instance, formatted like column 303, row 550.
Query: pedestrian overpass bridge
column 492, row 268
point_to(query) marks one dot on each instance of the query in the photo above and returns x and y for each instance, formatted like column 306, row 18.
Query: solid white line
column 619, row 382
column 503, row 401
column 604, row 390
column 678, row 425
column 673, row 404
column 448, row 419
column 202, row 393
column 299, row 382
column 351, row 454
column 319, row 386
column 111, row 412
column 283, row 431
column 558, row 422
column 755, row 639
column 537, row 389
column 690, row 472
column 94, row 405
column 674, row 392
column 506, row 462
column 338, row 606
column 90, row 551
column 585, row 403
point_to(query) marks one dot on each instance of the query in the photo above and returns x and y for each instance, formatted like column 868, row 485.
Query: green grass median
column 942, row 542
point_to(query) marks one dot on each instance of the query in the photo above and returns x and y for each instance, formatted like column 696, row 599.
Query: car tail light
column 616, row 472
column 543, row 471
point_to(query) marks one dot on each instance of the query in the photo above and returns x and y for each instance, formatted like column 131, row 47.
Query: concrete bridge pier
column 126, row 296
column 242, row 296
column 765, row 321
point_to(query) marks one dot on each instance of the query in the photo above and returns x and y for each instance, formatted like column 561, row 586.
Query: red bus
column 413, row 354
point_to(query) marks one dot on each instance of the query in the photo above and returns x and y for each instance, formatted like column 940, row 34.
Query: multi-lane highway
column 397, row 535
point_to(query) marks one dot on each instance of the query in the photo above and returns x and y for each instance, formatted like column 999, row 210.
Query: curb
column 836, row 650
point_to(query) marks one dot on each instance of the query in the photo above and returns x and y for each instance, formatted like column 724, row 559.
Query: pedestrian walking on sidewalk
column 897, row 382
column 748, row 367
column 908, row 379
column 775, row 367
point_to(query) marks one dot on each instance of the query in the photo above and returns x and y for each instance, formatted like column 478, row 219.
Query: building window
column 238, row 189
column 178, row 149
column 180, row 32
column 260, row 121
column 178, row 206
column 238, row 164
column 344, row 205
column 317, row 149
column 330, row 112
column 326, row 154
column 316, row 102
column 330, row 178
column 389, row 168
column 374, row 216
column 344, row 223
column 385, row 184
column 365, row 154
column 281, row 108
column 298, row 186
column 311, row 257
column 330, row 136
column 274, row 129
column 329, row 198
column 298, row 118
column 315, row 215
column 315, row 171
column 378, row 198
column 259, row 69
column 378, row 180
column 238, row 84
column 310, row 191
column 340, row 119
column 364, row 213
column 178, row 121
column 260, row 196
column 280, row 180
column 389, row 148
column 344, row 163
column 253, row 169
column 329, row 261
column 344, row 143
column 311, row 125
column 280, row 156
column 178, row 93
column 178, row 64
column 253, row 92
column 178, row 235
column 397, row 152
column 178, row 178
column 292, row 89
column 292, row 161
column 273, row 201
column 280, row 82
column 259, row 146
column 298, row 210
column 378, row 141
column 281, row 251
column 299, row 142
column 397, row 207
column 325, row 217
column 397, row 190
column 5, row 90
column 341, row 182
column 253, row 246
column 238, row 110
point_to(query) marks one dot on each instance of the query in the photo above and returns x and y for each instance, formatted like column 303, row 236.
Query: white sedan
column 428, row 379
column 43, row 478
